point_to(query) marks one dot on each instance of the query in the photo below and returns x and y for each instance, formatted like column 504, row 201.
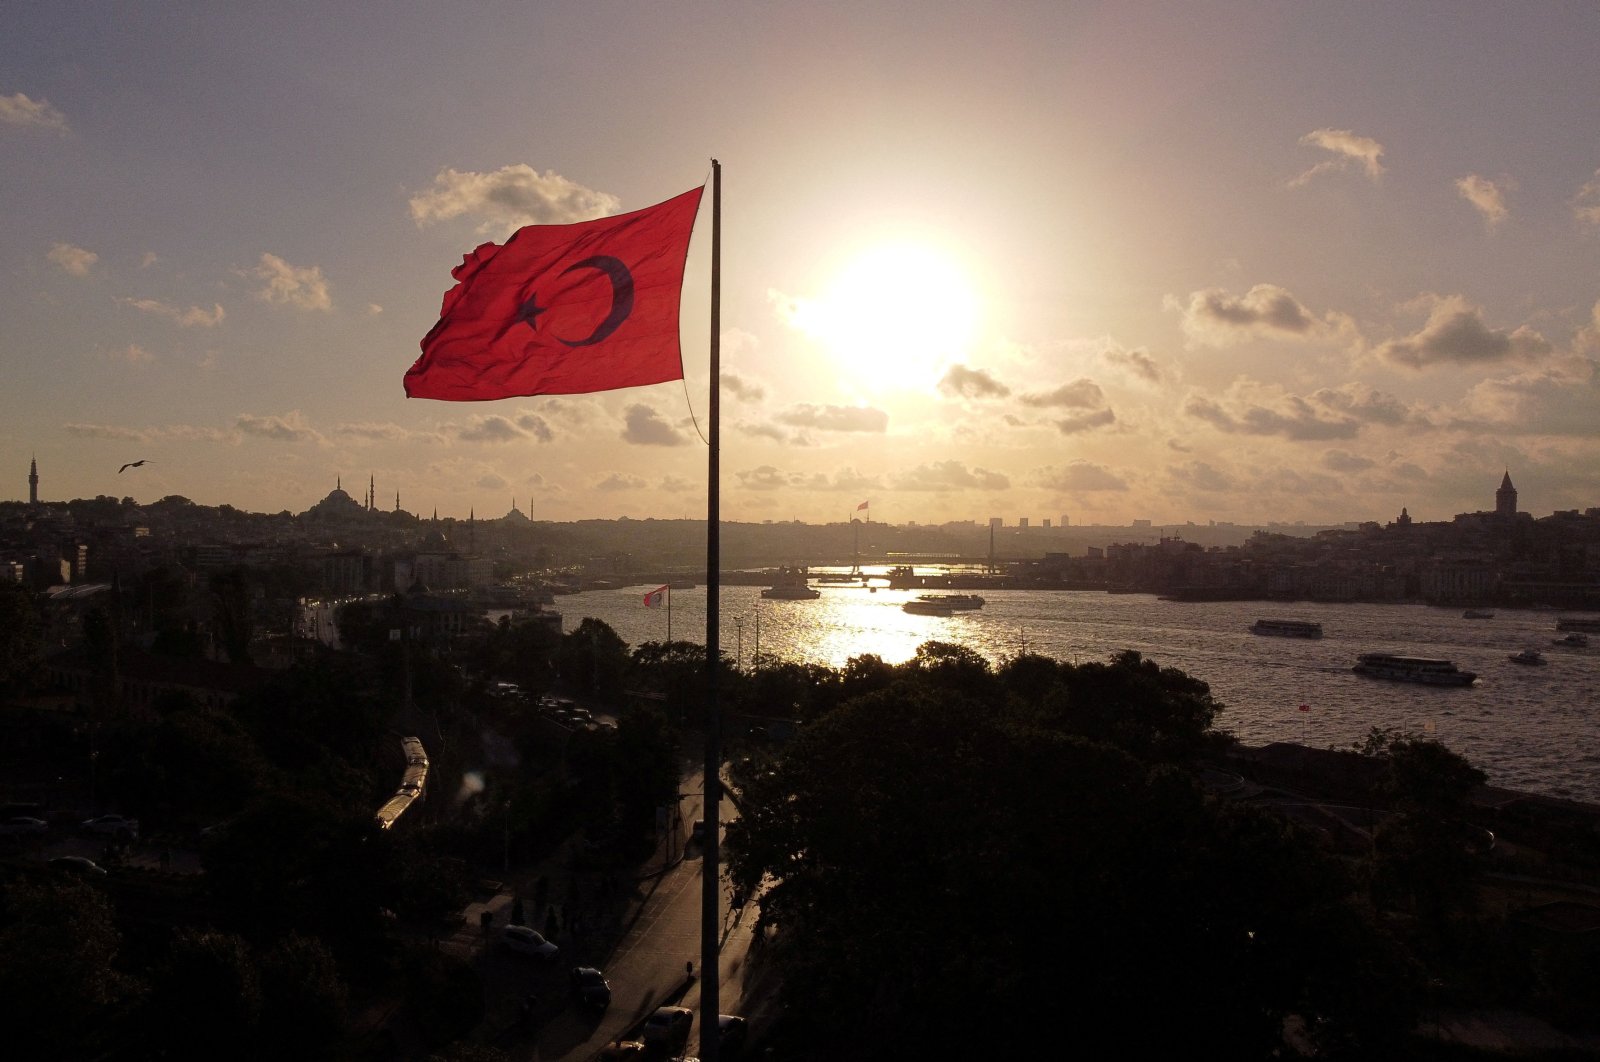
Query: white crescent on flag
column 655, row 597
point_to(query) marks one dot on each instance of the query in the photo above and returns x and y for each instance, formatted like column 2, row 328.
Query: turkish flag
column 563, row 309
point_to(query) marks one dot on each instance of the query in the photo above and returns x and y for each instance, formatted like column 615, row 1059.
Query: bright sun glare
column 895, row 316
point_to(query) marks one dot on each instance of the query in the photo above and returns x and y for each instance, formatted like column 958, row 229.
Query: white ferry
column 790, row 585
column 919, row 606
column 954, row 602
column 1282, row 628
column 1422, row 669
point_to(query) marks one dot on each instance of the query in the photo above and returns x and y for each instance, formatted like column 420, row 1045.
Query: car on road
column 620, row 1050
column 77, row 865
column 24, row 826
column 731, row 1035
column 525, row 941
column 118, row 826
column 590, row 988
column 668, row 1028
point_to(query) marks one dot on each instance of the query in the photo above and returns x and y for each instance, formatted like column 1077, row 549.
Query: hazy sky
column 1190, row 260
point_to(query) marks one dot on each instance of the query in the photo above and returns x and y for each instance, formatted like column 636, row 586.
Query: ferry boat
column 919, row 606
column 1573, row 640
column 1591, row 624
column 1527, row 656
column 1431, row 672
column 954, row 602
column 1282, row 628
column 790, row 585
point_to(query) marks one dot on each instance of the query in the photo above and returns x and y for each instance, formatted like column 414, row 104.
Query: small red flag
column 1305, row 707
column 863, row 505
column 563, row 310
column 654, row 597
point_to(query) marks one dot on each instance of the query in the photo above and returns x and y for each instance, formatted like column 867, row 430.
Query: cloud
column 385, row 431
column 492, row 481
column 133, row 354
column 1201, row 476
column 21, row 111
column 1559, row 399
column 302, row 287
column 836, row 418
column 1345, row 461
column 373, row 309
column 678, row 485
column 1137, row 362
column 490, row 428
column 185, row 432
column 1488, row 197
column 105, row 431
column 963, row 382
column 1455, row 334
column 536, row 426
column 1216, row 318
column 949, row 475
column 1082, row 393
column 1079, row 476
column 193, row 317
column 511, row 196
column 73, row 260
column 765, row 477
column 1348, row 149
column 769, row 431
column 621, row 481
column 291, row 427
column 1586, row 204
column 148, row 259
column 1086, row 422
column 646, row 427
column 1369, row 405
column 742, row 389
column 1252, row 408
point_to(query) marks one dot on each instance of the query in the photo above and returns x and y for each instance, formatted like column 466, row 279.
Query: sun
column 895, row 316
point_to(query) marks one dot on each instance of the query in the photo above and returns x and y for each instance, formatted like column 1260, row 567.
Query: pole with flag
column 654, row 599
column 593, row 306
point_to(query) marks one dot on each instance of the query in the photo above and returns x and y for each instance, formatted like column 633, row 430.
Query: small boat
column 790, row 585
column 1282, row 628
column 921, row 607
column 954, row 602
column 1527, row 656
column 1426, row 670
column 1477, row 613
column 1573, row 640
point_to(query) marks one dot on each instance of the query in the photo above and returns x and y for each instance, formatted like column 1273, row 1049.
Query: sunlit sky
column 1108, row 261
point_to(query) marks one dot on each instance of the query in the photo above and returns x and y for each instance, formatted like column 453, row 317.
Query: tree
column 206, row 993
column 19, row 635
column 304, row 999
column 593, row 658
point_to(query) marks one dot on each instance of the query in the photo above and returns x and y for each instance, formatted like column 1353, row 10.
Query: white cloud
column 1348, row 149
column 1253, row 408
column 1082, row 393
column 1456, row 334
column 1137, row 362
column 963, row 382
column 948, row 475
column 1079, row 476
column 836, row 418
column 646, row 427
column 1586, row 204
column 742, row 389
column 1488, row 197
column 1086, row 422
column 73, row 260
column 489, row 428
column 193, row 317
column 1216, row 318
column 512, row 196
column 290, row 427
column 304, row 287
column 133, row 354
column 19, row 110
column 1198, row 475
column 1557, row 399
column 621, row 481
column 373, row 309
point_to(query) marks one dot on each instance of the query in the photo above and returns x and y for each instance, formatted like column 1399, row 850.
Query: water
column 1529, row 728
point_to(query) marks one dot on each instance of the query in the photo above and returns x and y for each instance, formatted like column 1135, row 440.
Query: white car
column 24, row 826
column 525, row 941
column 118, row 826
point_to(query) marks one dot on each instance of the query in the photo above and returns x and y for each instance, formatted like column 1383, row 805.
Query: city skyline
column 1228, row 261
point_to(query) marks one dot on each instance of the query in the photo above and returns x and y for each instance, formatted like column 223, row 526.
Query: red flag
column 1305, row 707
column 654, row 597
column 563, row 310
column 863, row 505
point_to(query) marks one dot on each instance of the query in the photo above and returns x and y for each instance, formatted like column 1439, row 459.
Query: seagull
column 131, row 464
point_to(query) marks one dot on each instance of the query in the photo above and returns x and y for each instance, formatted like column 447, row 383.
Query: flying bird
column 131, row 464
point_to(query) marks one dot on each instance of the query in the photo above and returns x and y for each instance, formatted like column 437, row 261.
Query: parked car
column 525, row 941
column 668, row 1028
column 731, row 1035
column 118, row 826
column 620, row 1050
column 77, row 865
column 590, row 988
column 24, row 826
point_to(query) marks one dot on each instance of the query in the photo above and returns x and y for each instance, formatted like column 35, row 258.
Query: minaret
column 396, row 501
column 1505, row 499
column 33, row 482
column 372, row 492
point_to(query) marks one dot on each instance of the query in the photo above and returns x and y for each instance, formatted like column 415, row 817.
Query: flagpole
column 711, row 878
column 669, row 614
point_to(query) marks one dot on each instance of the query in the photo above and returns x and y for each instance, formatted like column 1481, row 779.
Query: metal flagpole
column 711, row 880
column 669, row 613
